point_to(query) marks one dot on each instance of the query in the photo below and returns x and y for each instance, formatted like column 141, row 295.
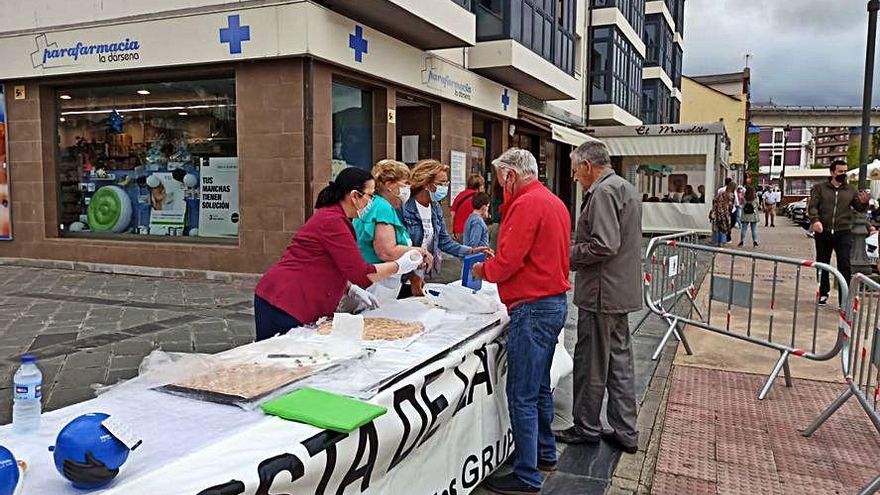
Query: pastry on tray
column 237, row 383
column 382, row 329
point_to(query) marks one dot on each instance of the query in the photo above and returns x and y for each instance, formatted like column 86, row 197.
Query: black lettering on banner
column 233, row 487
column 407, row 394
column 487, row 459
column 462, row 401
column 436, row 406
column 272, row 467
column 324, row 442
column 470, row 476
column 369, row 439
column 481, row 376
column 330, row 466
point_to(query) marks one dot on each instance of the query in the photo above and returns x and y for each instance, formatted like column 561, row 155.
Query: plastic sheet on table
column 283, row 362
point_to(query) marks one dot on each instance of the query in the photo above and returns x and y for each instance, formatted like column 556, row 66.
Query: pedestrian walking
column 606, row 259
column 830, row 209
column 750, row 211
column 720, row 215
column 531, row 270
column 771, row 198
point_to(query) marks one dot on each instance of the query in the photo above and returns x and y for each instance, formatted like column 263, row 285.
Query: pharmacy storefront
column 199, row 142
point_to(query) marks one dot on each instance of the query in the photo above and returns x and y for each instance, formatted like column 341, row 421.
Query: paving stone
column 115, row 376
column 88, row 359
column 131, row 361
column 82, row 377
column 176, row 346
column 132, row 347
column 64, row 397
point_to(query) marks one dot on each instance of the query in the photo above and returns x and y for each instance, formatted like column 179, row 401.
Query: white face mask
column 404, row 193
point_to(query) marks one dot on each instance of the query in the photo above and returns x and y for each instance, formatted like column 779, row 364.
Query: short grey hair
column 594, row 152
column 520, row 161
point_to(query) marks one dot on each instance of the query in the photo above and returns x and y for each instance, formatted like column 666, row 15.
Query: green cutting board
column 324, row 410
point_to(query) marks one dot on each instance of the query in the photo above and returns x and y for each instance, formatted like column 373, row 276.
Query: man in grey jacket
column 607, row 260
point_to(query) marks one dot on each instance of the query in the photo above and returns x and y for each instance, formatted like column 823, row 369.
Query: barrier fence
column 860, row 357
column 675, row 277
column 751, row 298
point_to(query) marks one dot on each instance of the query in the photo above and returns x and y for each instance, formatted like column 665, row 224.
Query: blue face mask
column 440, row 193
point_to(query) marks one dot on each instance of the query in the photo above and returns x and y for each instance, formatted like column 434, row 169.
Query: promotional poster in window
column 5, row 216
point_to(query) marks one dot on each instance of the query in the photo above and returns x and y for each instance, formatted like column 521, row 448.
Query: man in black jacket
column 830, row 209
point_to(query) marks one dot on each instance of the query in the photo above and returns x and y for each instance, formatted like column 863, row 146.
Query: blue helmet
column 87, row 454
column 9, row 475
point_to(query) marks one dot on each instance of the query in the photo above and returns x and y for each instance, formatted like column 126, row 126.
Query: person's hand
column 817, row 227
column 428, row 260
column 410, row 261
column 477, row 271
column 484, row 250
column 417, row 285
column 365, row 300
column 864, row 197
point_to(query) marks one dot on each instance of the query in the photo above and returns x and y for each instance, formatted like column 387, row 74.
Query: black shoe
column 823, row 300
column 740, row 244
column 509, row 485
column 755, row 244
column 547, row 467
column 573, row 435
column 615, row 441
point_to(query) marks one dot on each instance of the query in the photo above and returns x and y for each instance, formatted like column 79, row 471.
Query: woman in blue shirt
column 380, row 232
column 423, row 219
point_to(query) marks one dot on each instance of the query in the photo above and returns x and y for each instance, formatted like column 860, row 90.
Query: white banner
column 218, row 200
column 446, row 429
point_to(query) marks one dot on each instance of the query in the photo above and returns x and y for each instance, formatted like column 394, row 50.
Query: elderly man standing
column 606, row 258
column 531, row 269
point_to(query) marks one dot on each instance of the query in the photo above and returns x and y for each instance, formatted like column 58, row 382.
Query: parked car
column 798, row 212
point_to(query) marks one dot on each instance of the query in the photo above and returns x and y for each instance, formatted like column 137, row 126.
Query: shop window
column 157, row 160
column 352, row 127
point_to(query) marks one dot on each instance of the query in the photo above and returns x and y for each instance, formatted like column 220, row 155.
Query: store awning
column 570, row 136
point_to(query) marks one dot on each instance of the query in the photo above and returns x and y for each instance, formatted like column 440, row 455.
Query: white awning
column 570, row 136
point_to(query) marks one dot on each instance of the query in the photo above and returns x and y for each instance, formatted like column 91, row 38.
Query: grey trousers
column 603, row 360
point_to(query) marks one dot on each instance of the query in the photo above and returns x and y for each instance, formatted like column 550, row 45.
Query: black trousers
column 841, row 244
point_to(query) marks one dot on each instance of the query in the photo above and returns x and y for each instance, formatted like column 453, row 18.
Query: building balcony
column 509, row 62
column 427, row 25
column 605, row 114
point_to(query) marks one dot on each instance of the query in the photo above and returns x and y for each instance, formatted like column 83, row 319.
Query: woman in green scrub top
column 380, row 233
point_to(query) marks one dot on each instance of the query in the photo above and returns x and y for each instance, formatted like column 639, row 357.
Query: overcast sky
column 804, row 52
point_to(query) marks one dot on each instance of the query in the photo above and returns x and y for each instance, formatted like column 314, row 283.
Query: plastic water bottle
column 26, row 407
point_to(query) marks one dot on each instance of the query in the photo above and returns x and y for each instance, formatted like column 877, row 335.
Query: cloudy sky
column 804, row 52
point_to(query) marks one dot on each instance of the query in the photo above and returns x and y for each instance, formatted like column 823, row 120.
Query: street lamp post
column 860, row 262
column 786, row 131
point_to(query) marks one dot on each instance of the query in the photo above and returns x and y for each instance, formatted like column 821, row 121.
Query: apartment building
column 792, row 149
column 832, row 143
column 196, row 134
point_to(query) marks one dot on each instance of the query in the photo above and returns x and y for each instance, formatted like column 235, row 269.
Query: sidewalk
column 717, row 438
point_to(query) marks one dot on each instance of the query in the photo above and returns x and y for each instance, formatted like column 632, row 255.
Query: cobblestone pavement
column 717, row 439
column 91, row 328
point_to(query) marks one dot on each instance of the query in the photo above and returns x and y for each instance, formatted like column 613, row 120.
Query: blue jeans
column 271, row 321
column 745, row 227
column 719, row 237
column 532, row 334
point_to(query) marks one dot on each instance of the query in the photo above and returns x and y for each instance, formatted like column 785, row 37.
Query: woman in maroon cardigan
column 323, row 262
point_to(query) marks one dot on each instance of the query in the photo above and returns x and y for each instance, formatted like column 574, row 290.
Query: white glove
column 364, row 299
column 409, row 262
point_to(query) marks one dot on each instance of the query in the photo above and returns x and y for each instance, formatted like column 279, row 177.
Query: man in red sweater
column 531, row 269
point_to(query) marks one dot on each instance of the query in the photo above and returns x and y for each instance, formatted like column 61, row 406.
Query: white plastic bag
column 460, row 299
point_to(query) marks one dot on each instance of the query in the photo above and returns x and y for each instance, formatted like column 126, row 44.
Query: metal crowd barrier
column 860, row 357
column 747, row 287
column 675, row 277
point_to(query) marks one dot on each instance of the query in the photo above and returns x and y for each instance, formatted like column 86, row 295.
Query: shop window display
column 352, row 127
column 157, row 159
